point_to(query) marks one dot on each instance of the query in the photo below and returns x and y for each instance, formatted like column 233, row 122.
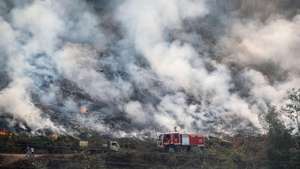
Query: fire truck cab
column 176, row 141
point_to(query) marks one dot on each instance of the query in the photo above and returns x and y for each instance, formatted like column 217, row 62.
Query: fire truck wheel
column 171, row 149
column 188, row 148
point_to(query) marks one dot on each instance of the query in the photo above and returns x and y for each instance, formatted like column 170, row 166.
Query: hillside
column 116, row 73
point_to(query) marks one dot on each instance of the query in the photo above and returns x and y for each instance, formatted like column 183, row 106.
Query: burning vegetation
column 5, row 133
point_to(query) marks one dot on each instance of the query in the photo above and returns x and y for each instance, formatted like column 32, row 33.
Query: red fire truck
column 176, row 141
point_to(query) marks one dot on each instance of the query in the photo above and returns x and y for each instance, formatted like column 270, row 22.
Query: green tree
column 293, row 106
column 279, row 142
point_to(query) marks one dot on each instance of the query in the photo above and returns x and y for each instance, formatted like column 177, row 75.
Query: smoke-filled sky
column 128, row 66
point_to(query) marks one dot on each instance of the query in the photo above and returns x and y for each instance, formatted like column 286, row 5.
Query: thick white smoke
column 178, row 64
column 268, row 52
column 15, row 98
column 145, row 65
column 34, row 34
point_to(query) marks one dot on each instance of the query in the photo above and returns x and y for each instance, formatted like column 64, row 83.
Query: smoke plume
column 132, row 66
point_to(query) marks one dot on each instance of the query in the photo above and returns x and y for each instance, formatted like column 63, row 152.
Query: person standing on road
column 29, row 152
column 32, row 151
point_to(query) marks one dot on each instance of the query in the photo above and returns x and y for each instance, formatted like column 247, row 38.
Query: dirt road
column 7, row 159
